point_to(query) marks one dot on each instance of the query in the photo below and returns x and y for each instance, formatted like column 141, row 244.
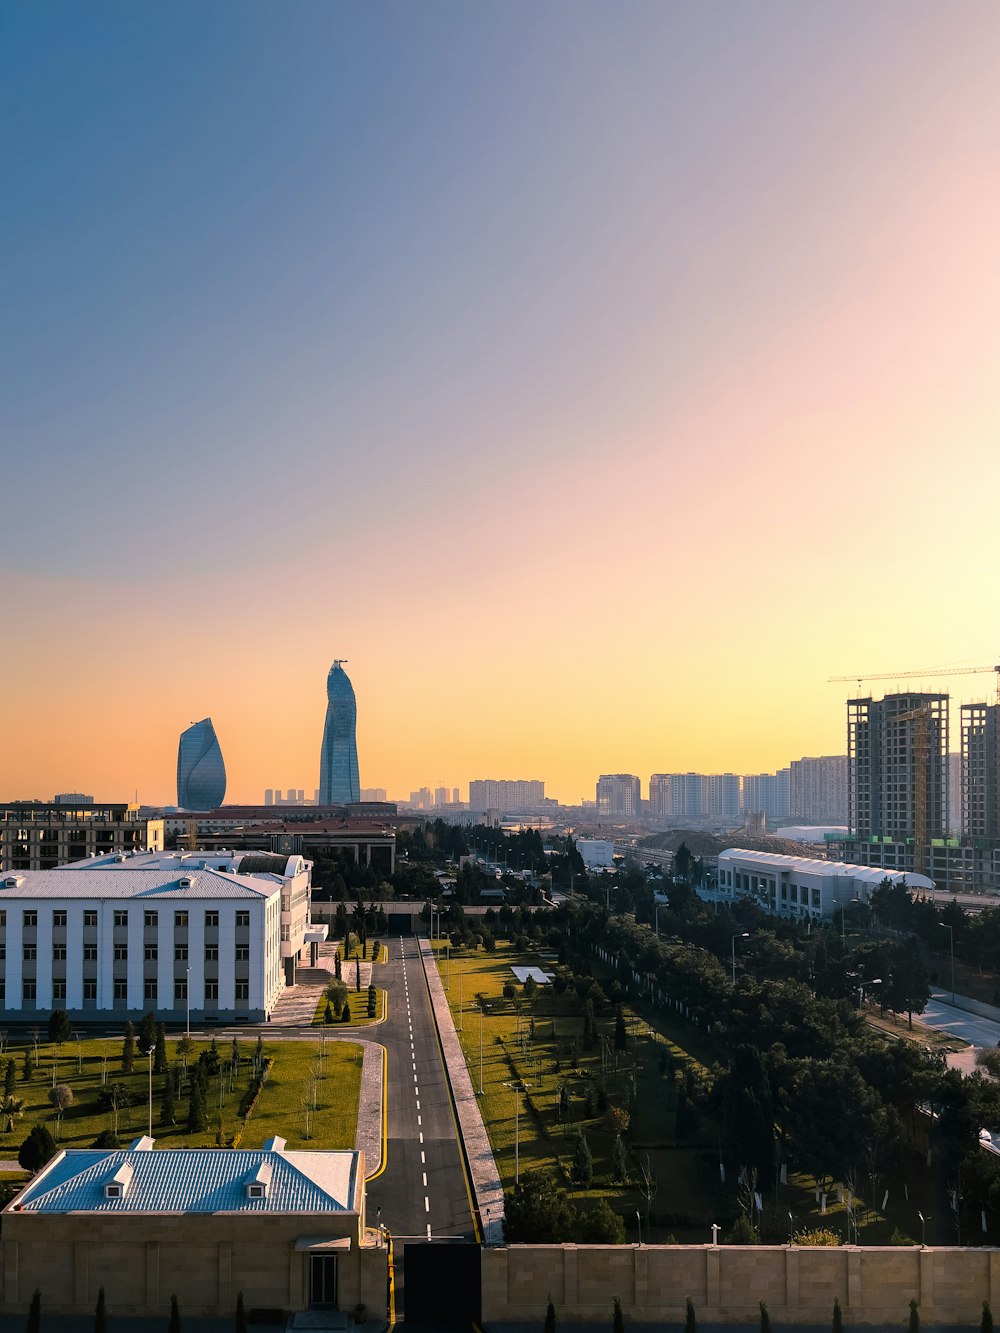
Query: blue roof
column 193, row 1180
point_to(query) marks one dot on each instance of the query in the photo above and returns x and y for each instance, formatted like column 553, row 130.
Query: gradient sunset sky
column 597, row 379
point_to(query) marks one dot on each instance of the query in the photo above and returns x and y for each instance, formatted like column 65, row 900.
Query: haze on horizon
column 596, row 380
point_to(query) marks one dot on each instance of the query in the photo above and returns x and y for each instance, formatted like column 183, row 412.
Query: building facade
column 210, row 938
column 766, row 794
column 981, row 770
column 339, row 782
column 39, row 835
column 817, row 789
column 619, row 796
column 801, row 887
column 201, row 771
column 507, row 795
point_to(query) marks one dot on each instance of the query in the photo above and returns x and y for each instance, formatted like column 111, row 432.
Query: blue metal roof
column 193, row 1180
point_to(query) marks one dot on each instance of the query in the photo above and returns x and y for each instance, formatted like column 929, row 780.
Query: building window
column 28, row 989
column 90, row 953
column 121, row 952
column 58, row 952
column 243, row 990
column 242, row 953
column 58, row 920
column 180, row 953
column 121, row 990
column 90, row 919
column 151, row 953
column 180, row 920
column 149, row 991
column 242, row 920
column 211, row 990
column 90, row 990
column 30, row 952
column 211, row 920
column 211, row 953
column 58, row 990
column 3, row 920
column 149, row 920
column 121, row 918
column 30, row 920
column 180, row 990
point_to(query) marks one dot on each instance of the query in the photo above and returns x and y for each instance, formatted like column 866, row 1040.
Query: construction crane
column 931, row 674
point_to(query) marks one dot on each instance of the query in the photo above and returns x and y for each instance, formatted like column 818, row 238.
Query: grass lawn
column 689, row 1192
column 326, row 1072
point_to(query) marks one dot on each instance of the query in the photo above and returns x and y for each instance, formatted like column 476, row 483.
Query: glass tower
column 338, row 760
column 201, row 773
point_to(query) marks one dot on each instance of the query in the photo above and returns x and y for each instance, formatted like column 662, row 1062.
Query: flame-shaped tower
column 338, row 761
column 201, row 773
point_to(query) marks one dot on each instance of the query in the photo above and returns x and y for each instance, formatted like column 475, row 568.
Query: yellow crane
column 930, row 674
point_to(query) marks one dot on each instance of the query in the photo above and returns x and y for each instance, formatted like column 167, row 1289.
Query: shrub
column 817, row 1236
column 59, row 1029
column 37, row 1149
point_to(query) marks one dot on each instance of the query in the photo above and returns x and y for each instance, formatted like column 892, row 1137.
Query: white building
column 214, row 936
column 597, row 853
column 800, row 886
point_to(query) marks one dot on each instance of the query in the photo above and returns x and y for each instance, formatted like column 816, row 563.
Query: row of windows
column 149, row 919
column 29, row 990
column 151, row 953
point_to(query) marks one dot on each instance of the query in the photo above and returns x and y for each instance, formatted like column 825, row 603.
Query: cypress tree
column 160, row 1050
column 765, row 1318
column 986, row 1323
column 328, row 1013
column 35, row 1313
column 28, row 1066
column 550, row 1318
column 345, row 1013
column 175, row 1317
column 241, row 1314
column 621, row 1037
column 372, row 1001
column 168, row 1108
column 357, row 974
column 582, row 1169
column 617, row 1319
column 838, row 1316
column 914, row 1323
column 147, row 1032
column 10, row 1079
column 196, row 1108
column 128, row 1049
column 100, row 1313
column 690, row 1322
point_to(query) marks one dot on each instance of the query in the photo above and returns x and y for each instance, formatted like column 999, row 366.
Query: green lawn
column 327, row 1073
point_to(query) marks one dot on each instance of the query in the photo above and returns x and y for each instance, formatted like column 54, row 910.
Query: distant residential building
column 373, row 793
column 422, row 799
column 338, row 779
column 619, row 795
column 201, row 772
column 218, row 935
column 767, row 794
column 456, row 798
column 38, row 835
column 818, row 789
column 72, row 798
column 507, row 795
column 442, row 796
column 980, row 761
column 269, row 795
column 722, row 797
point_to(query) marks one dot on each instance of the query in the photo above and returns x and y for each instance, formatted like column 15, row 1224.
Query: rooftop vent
column 117, row 1186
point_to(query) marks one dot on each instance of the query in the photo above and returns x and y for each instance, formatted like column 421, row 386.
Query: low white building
column 185, row 935
column 597, row 853
column 802, row 886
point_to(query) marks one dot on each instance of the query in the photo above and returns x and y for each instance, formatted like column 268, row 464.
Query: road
column 980, row 1031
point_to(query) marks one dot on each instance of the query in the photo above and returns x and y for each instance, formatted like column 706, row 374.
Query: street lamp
column 923, row 1229
column 517, row 1087
column 875, row 981
column 951, row 933
column 480, row 1048
column 745, row 936
column 149, row 1054
column 187, row 996
column 638, row 1222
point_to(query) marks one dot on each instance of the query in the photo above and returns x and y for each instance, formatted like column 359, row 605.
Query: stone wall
column 141, row 1262
column 873, row 1283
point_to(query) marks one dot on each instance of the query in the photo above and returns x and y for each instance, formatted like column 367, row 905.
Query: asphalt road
column 960, row 1023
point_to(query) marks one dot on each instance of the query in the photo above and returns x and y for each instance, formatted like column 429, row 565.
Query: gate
column 399, row 923
column 441, row 1282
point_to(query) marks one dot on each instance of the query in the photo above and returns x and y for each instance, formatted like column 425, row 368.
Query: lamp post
column 875, row 981
column 638, row 1222
column 951, row 935
column 923, row 1229
column 187, row 996
column 744, row 936
column 480, row 1048
column 149, row 1055
column 517, row 1087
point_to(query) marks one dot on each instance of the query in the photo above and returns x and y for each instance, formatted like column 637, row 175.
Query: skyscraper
column 338, row 761
column 201, row 773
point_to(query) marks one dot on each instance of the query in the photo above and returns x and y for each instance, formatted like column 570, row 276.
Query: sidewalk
column 486, row 1189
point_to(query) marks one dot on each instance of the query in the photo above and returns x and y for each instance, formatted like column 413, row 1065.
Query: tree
column 11, row 1108
column 175, row 1317
column 34, row 1324
column 61, row 1097
column 690, row 1320
column 10, row 1078
column 147, row 1032
column 328, row 1013
column 537, row 1213
column 196, row 1120
column 621, row 1036
column 357, row 974
column 128, row 1049
column 372, row 1001
column 914, row 1321
column 28, row 1066
column 160, row 1050
column 550, row 1318
column 582, row 1170
column 168, row 1106
column 100, row 1313
column 765, row 1318
column 241, row 1314
column 617, row 1318
column 114, row 1097
column 986, row 1322
column 838, row 1316
column 37, row 1149
column 185, row 1049
column 345, row 1014
column 600, row 1225
column 59, row 1029
column 336, row 994
column 509, row 990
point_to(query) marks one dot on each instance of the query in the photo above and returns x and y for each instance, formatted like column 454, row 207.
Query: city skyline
column 469, row 339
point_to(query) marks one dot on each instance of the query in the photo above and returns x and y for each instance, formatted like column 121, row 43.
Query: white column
column 74, row 955
column 227, row 954
column 165, row 956
column 106, row 952
column 196, row 956
column 43, row 957
column 136, row 953
column 15, row 956
column 258, row 934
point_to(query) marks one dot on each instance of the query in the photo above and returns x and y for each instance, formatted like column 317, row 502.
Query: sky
column 596, row 379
